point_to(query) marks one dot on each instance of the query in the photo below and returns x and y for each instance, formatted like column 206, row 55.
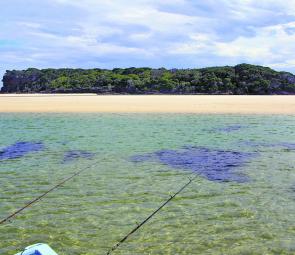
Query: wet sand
column 213, row 104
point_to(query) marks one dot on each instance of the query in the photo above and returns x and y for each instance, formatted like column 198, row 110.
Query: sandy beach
column 148, row 103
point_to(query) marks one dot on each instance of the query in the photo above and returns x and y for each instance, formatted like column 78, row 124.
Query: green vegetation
column 241, row 79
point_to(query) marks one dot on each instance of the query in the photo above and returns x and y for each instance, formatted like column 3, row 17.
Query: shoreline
column 199, row 104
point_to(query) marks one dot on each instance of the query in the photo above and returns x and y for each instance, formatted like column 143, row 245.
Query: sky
column 162, row 33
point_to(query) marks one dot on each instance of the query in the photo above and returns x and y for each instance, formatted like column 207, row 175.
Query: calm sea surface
column 242, row 201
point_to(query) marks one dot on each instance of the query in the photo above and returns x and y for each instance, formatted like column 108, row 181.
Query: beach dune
column 217, row 104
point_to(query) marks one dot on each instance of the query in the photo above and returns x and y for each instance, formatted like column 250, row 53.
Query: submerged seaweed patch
column 228, row 129
column 72, row 155
column 20, row 149
column 284, row 145
column 215, row 165
column 287, row 145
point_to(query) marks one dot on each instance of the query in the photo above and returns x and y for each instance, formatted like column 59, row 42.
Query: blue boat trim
column 38, row 249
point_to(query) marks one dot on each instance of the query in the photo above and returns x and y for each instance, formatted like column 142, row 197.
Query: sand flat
column 148, row 103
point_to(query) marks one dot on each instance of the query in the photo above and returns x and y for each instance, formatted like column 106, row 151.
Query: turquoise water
column 90, row 213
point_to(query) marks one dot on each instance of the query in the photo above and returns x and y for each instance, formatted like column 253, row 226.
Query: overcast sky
column 155, row 33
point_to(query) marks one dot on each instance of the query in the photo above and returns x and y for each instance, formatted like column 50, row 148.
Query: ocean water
column 241, row 202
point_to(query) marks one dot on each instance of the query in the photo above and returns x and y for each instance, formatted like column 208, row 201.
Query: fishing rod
column 9, row 217
column 116, row 246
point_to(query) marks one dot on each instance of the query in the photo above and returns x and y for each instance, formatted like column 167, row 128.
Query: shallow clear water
column 90, row 213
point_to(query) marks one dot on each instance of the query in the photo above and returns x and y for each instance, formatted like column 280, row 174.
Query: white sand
column 148, row 103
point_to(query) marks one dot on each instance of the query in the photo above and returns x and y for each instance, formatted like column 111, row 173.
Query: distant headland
column 243, row 79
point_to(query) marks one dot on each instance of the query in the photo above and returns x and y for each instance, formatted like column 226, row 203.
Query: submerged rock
column 20, row 149
column 215, row 165
column 72, row 155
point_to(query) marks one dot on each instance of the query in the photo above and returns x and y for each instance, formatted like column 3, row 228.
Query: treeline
column 240, row 79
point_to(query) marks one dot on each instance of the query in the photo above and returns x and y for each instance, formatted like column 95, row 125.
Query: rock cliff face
column 240, row 79
column 22, row 81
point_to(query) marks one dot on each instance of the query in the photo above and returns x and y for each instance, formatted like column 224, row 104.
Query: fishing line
column 9, row 217
column 116, row 246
